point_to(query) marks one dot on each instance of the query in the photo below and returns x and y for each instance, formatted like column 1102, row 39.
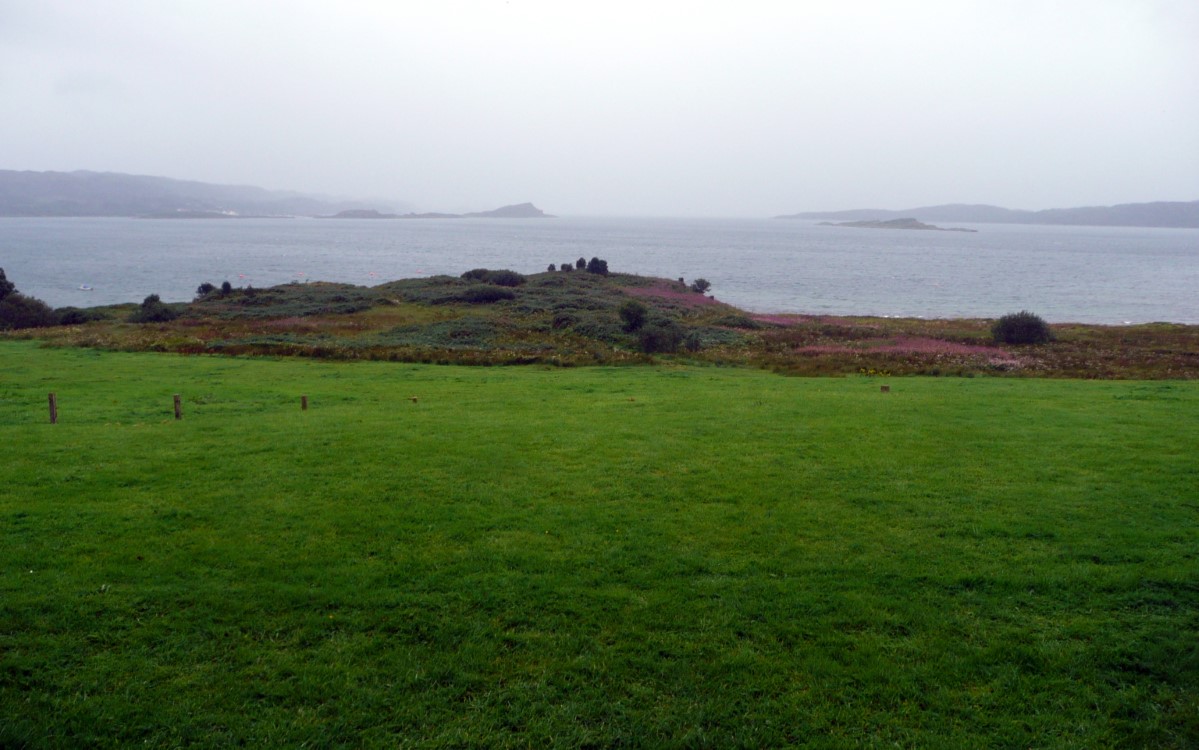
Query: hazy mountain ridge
column 1173, row 214
column 84, row 193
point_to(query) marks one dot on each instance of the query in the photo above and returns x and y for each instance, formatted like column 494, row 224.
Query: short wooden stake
column 885, row 389
column 178, row 407
column 303, row 403
column 53, row 408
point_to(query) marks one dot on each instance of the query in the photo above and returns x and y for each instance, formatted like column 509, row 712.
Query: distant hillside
column 113, row 194
column 1159, row 214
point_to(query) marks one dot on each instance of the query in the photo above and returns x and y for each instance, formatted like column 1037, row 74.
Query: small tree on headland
column 581, row 263
column 700, row 286
column 19, row 311
column 596, row 265
column 568, row 266
column 6, row 286
column 1021, row 328
column 551, row 268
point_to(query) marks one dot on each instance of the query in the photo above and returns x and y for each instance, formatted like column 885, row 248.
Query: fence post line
column 178, row 407
column 303, row 403
column 53, row 408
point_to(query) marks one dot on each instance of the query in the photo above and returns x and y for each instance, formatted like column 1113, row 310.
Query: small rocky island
column 894, row 224
column 516, row 211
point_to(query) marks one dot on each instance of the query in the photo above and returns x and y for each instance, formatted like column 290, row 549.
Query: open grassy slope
column 435, row 556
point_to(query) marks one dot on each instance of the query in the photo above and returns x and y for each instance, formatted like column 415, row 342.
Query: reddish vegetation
column 670, row 292
column 911, row 345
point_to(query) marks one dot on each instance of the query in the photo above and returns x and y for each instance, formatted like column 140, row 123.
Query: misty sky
column 664, row 108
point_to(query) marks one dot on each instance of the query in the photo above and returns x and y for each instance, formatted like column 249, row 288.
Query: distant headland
column 1167, row 214
column 515, row 211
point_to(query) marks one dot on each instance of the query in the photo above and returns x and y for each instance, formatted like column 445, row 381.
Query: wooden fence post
column 303, row 403
column 178, row 407
column 53, row 408
column 885, row 388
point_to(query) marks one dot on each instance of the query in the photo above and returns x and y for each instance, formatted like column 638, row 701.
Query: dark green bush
column 581, row 263
column 226, row 288
column 19, row 311
column 499, row 278
column 204, row 290
column 482, row 294
column 1021, row 328
column 597, row 265
column 737, row 321
column 567, row 267
column 6, row 286
column 562, row 320
column 152, row 310
column 661, row 337
column 633, row 314
column 73, row 316
column 700, row 286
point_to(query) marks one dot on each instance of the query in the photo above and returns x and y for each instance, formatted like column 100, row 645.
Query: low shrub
column 661, row 337
column 700, row 286
column 1021, row 328
column 482, row 294
column 499, row 278
column 633, row 314
column 597, row 266
column 153, row 310
column 73, row 316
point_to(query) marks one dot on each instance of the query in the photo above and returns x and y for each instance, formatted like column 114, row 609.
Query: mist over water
column 1083, row 274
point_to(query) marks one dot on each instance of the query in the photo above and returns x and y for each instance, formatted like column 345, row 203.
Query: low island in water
column 516, row 211
column 906, row 223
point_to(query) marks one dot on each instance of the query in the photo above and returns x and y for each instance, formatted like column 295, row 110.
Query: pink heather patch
column 909, row 345
column 672, row 293
column 781, row 320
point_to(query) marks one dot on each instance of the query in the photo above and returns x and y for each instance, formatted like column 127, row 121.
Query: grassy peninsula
column 574, row 318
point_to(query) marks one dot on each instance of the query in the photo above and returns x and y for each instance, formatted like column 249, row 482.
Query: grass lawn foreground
column 675, row 556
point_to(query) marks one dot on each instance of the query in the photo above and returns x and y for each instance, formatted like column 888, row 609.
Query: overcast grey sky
column 746, row 108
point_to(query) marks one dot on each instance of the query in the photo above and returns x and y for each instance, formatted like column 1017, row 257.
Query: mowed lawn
column 600, row 557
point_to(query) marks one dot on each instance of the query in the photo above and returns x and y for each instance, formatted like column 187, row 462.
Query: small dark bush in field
column 661, row 336
column 226, row 288
column 152, row 310
column 596, row 265
column 581, row 263
column 1021, row 328
column 204, row 290
column 482, row 294
column 693, row 342
column 700, row 286
column 562, row 320
column 568, row 267
column 633, row 314
column 73, row 316
column 551, row 268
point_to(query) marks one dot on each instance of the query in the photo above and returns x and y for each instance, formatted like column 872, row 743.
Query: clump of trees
column 633, row 313
column 19, row 311
column 1021, row 328
column 700, row 286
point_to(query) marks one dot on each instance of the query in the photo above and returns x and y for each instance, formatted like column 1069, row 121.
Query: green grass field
column 595, row 557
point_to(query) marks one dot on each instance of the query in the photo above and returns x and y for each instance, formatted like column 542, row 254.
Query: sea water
column 1081, row 274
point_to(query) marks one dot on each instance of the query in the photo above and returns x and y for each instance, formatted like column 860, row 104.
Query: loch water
column 1109, row 275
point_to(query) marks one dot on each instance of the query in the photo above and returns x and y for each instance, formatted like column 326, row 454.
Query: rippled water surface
column 1085, row 274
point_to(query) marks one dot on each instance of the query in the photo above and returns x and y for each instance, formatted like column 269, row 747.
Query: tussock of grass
column 510, row 557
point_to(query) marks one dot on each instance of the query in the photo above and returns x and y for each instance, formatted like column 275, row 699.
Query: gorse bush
column 499, row 278
column 1021, row 328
